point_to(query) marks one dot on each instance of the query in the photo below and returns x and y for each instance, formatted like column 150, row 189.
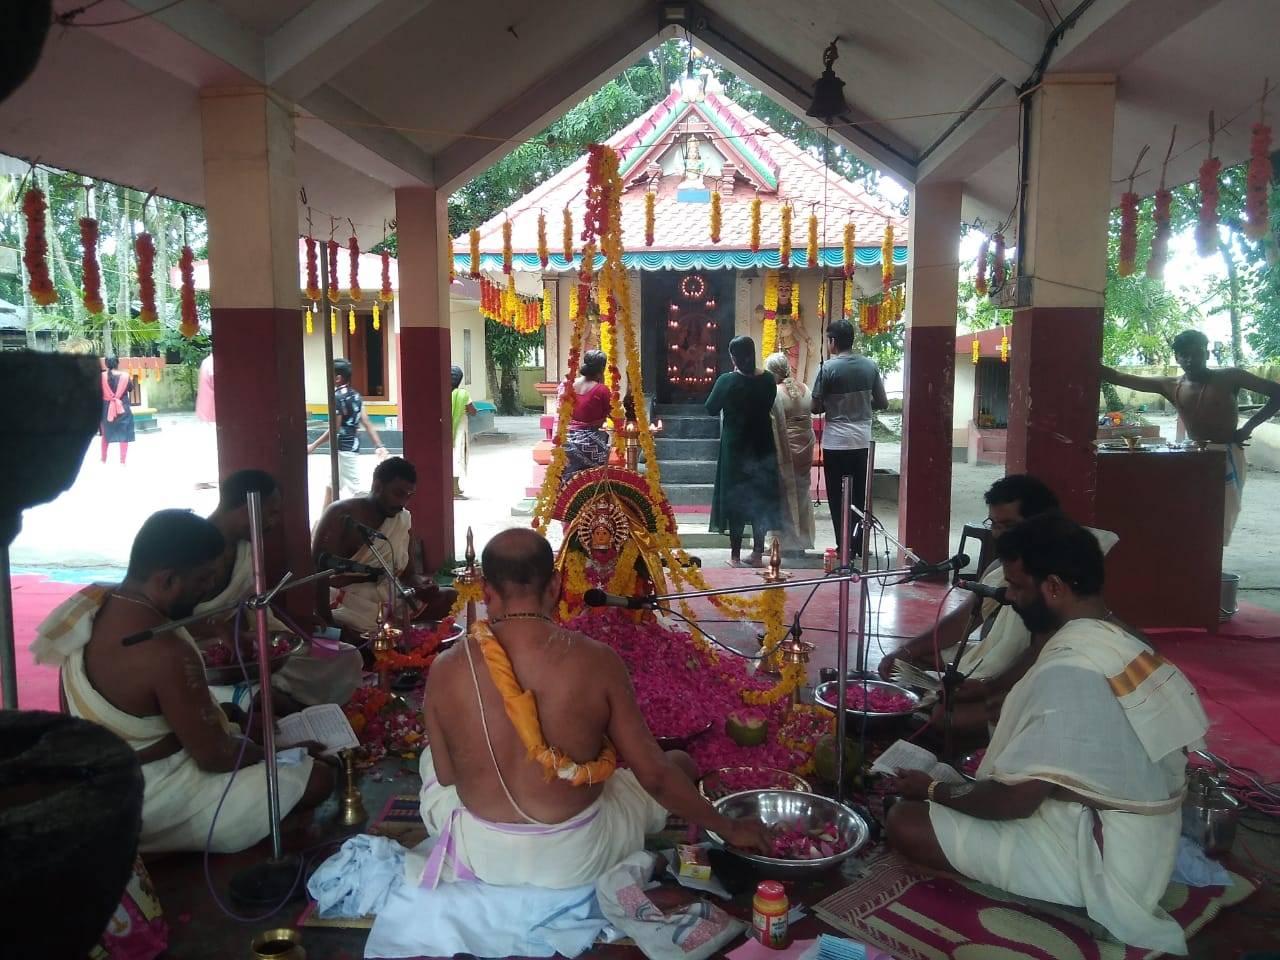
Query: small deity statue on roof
column 694, row 167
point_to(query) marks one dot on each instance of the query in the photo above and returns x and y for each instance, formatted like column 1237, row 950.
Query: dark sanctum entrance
column 687, row 325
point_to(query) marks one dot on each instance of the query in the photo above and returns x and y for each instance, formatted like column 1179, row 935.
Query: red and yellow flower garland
column 35, row 254
column 1128, row 233
column 1258, row 182
column 145, row 249
column 999, row 268
column 1207, row 221
column 1160, row 237
column 313, row 270
column 190, row 324
column 353, row 269
column 332, row 250
column 92, row 280
column 980, row 277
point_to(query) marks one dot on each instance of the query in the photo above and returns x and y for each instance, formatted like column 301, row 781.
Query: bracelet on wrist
column 933, row 786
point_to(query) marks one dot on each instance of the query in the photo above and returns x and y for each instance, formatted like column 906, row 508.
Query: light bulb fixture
column 828, row 90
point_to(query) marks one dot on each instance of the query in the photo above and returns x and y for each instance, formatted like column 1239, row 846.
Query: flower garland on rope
column 755, row 223
column 386, row 295
column 468, row 592
column 1207, row 179
column 650, row 203
column 473, row 238
column 506, row 247
column 35, row 254
column 847, row 305
column 811, row 250
column 999, row 270
column 784, row 243
column 568, row 236
column 1128, row 257
column 332, row 250
column 145, row 249
column 1258, row 182
column 1160, row 238
column 313, row 270
column 544, row 255
column 980, row 277
column 351, row 320
column 849, row 256
column 822, row 300
column 333, row 321
column 547, row 306
column 769, row 332
column 886, row 258
column 190, row 325
column 353, row 269
column 92, row 292
column 715, row 217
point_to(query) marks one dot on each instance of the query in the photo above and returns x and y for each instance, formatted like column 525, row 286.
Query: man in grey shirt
column 848, row 390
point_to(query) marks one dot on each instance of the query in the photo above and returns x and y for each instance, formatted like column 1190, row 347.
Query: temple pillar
column 924, row 485
column 422, row 225
column 1057, row 339
column 251, row 200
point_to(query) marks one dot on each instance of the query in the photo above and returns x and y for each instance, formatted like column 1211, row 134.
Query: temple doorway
column 688, row 321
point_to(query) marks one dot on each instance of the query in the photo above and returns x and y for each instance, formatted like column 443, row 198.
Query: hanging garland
column 309, row 321
column 385, row 294
column 92, row 292
column 35, row 253
column 453, row 273
column 1258, row 182
column 1129, row 223
column 332, row 249
column 822, row 300
column 886, row 257
column 999, row 270
column 847, row 305
column 1207, row 179
column 145, row 249
column 313, row 270
column 333, row 321
column 850, row 259
column 784, row 244
column 505, row 306
column 585, row 271
column 1004, row 346
column 769, row 333
column 546, row 306
column 190, row 324
column 715, row 217
column 980, row 278
column 650, row 202
column 506, row 247
column 1160, row 238
column 568, row 236
column 975, row 351
column 351, row 320
column 544, row 255
column 353, row 269
column 811, row 251
column 755, row 224
column 473, row 238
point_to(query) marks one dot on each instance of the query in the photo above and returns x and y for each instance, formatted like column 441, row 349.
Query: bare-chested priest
column 379, row 522
column 526, row 721
column 316, row 673
column 1205, row 399
column 155, row 697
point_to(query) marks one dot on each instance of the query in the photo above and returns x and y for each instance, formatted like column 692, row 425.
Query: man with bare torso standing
column 513, row 712
column 1206, row 401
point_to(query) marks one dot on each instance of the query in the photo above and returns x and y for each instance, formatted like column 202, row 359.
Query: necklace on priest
column 522, row 615
column 143, row 602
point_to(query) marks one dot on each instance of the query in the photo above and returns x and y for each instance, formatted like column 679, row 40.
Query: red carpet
column 33, row 598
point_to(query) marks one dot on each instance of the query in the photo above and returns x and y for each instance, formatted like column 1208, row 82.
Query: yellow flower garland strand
column 822, row 299
column 474, row 239
column 544, row 255
column 811, row 253
column 755, row 224
column 715, row 217
column 886, row 257
column 784, row 244
column 568, row 236
column 506, row 246
column 850, row 257
column 650, row 199
column 467, row 593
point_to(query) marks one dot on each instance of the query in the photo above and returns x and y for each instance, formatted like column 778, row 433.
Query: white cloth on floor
column 692, row 932
column 484, row 920
column 356, row 881
column 1195, row 869
column 314, row 674
column 179, row 799
column 561, row 855
column 356, row 605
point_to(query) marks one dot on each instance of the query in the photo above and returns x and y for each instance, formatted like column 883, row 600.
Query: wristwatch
column 933, row 785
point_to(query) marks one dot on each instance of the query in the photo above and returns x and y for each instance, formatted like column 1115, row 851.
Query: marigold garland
column 544, row 255
column 1207, row 222
column 309, row 321
column 313, row 270
column 506, row 247
column 92, row 292
column 190, row 324
column 386, row 295
column 650, row 202
column 145, row 249
column 784, row 243
column 568, row 236
column 804, row 726
column 822, row 300
column 351, row 320
column 849, row 255
column 333, row 321
column 546, row 306
column 755, row 224
column 353, row 269
column 847, row 305
column 715, row 217
column 811, row 251
column 769, row 333
column 1004, row 346
column 886, row 258
column 453, row 272
column 1160, row 237
column 468, row 592
column 1128, row 233
column 473, row 238
column 975, row 351
column 999, row 269
column 1258, row 182
column 332, row 250
column 35, row 254
column 980, row 277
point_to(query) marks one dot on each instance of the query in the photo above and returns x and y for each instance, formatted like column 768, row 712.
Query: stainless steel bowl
column 827, row 695
column 458, row 631
column 231, row 673
column 710, row 787
column 792, row 810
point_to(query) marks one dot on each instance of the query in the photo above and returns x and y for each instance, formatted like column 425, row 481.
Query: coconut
column 746, row 728
column 824, row 758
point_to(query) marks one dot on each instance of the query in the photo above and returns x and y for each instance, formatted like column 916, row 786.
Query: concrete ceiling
column 401, row 92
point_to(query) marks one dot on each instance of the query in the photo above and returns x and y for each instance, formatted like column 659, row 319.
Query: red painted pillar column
column 251, row 202
column 924, row 486
column 422, row 222
column 1057, row 341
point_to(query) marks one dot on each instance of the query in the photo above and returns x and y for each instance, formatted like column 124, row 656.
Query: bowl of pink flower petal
column 811, row 833
column 727, row 780
column 222, row 667
column 878, row 701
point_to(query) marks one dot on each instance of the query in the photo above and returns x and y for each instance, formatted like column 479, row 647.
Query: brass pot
column 280, row 944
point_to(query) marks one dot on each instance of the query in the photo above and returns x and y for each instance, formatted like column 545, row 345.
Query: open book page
column 325, row 723
column 908, row 674
column 903, row 755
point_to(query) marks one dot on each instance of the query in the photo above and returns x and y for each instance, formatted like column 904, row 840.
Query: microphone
column 922, row 569
column 368, row 532
column 327, row 561
column 998, row 594
column 598, row 598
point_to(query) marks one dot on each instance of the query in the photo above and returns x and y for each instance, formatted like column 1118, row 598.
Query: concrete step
column 690, row 428
column 688, row 471
column 665, row 410
column 674, row 448
column 683, row 494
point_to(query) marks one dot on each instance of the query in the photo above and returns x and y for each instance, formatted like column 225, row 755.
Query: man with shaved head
column 526, row 722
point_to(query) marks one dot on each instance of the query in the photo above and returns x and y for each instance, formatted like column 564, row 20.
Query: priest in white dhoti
column 321, row 671
column 1078, row 799
column 376, row 531
column 204, row 783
